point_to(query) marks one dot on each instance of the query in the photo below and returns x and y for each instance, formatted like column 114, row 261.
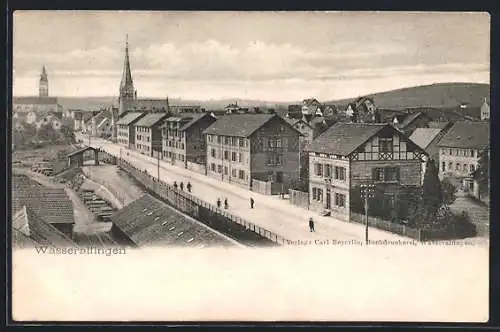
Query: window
column 225, row 170
column 472, row 168
column 274, row 159
column 241, row 174
column 239, row 157
column 212, row 153
column 386, row 174
column 226, row 155
column 385, row 144
column 233, row 173
column 182, row 146
column 472, row 153
column 457, row 167
column 465, row 168
column 219, row 139
column 242, row 142
column 328, row 172
column 340, row 173
column 443, row 166
column 318, row 169
column 219, row 168
column 450, row 152
column 226, row 140
column 450, row 166
column 212, row 167
column 340, row 200
column 209, row 138
column 233, row 156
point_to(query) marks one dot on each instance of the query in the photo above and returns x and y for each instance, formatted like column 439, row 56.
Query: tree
column 47, row 133
column 432, row 196
column 448, row 192
column 482, row 174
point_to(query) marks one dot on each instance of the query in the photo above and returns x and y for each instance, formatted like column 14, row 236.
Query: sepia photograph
column 250, row 166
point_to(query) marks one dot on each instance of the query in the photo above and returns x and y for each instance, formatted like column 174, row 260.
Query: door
column 328, row 199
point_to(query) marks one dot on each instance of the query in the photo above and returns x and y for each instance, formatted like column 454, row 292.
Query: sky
column 272, row 56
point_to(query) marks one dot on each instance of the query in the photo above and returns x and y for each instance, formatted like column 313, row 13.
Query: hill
column 441, row 95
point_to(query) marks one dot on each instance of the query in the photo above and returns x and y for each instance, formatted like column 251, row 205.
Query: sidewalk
column 271, row 213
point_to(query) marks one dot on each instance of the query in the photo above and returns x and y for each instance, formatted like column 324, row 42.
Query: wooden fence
column 208, row 214
column 414, row 233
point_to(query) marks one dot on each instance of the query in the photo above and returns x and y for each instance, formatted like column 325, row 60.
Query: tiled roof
column 35, row 100
column 242, row 125
column 128, row 118
column 439, row 124
column 291, row 121
column 343, row 138
column 424, row 136
column 81, row 150
column 148, row 222
column 467, row 135
column 410, row 118
column 151, row 119
column 30, row 225
column 195, row 117
column 51, row 204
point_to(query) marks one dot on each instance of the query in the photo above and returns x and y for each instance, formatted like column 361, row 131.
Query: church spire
column 126, row 85
column 43, row 85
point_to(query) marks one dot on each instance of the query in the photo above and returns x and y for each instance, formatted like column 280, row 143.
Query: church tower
column 43, row 85
column 127, row 92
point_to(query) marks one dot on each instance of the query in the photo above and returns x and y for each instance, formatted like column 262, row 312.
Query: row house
column 125, row 129
column 350, row 154
column 459, row 151
column 183, row 139
column 148, row 133
column 244, row 147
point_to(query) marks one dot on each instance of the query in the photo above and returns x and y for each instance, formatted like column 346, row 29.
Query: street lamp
column 367, row 192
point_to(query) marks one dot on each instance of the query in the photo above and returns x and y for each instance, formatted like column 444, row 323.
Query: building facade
column 459, row 151
column 148, row 133
column 348, row 155
column 126, row 129
column 246, row 147
column 183, row 139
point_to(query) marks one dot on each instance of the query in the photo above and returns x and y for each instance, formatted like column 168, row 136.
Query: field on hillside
column 443, row 95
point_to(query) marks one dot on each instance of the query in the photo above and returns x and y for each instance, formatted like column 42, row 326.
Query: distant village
column 321, row 156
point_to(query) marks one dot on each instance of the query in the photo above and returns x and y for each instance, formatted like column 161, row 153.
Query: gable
column 400, row 143
column 275, row 126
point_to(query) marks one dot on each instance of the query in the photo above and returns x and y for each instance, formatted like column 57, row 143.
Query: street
column 271, row 213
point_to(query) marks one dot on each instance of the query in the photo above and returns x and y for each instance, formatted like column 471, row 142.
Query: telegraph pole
column 367, row 192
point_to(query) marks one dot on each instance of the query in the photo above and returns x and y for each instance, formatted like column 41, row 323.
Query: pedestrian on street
column 225, row 204
column 311, row 224
column 218, row 202
column 175, row 184
column 182, row 186
column 251, row 202
column 189, row 186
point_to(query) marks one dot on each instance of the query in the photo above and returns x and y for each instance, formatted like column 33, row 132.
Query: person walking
column 218, row 202
column 182, row 185
column 311, row 224
column 226, row 205
column 189, row 186
column 175, row 184
column 251, row 202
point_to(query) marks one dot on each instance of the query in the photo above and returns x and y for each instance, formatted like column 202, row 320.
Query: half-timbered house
column 350, row 154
